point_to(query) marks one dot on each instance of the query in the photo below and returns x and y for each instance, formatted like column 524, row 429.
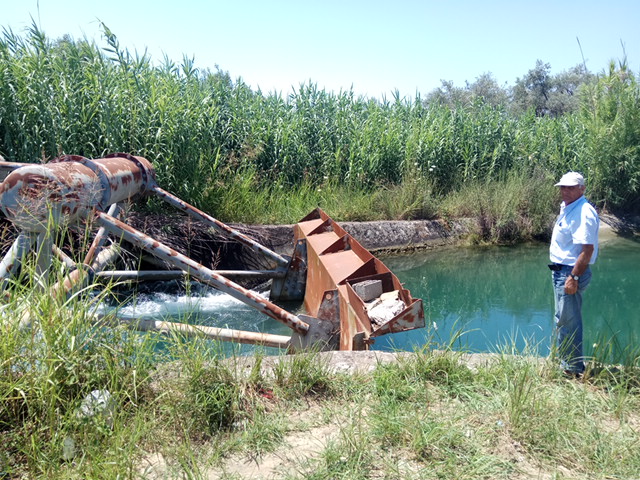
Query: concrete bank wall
column 376, row 236
column 407, row 235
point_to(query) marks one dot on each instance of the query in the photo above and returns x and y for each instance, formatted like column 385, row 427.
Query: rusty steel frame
column 325, row 265
column 200, row 272
column 336, row 261
column 214, row 333
column 218, row 225
column 154, row 275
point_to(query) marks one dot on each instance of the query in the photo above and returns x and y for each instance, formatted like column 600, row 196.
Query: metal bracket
column 320, row 335
column 292, row 286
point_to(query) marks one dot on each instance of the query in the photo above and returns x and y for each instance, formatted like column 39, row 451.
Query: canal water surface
column 476, row 299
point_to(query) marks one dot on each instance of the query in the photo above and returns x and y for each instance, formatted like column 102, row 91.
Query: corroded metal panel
column 336, row 261
column 291, row 285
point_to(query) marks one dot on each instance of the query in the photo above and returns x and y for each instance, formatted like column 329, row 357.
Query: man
column 574, row 246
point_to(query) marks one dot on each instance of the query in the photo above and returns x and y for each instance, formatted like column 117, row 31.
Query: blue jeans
column 568, row 317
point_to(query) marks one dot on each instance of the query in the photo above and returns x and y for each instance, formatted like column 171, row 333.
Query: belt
column 556, row 267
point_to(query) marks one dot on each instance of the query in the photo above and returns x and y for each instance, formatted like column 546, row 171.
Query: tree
column 547, row 94
column 486, row 88
column 448, row 94
column 532, row 90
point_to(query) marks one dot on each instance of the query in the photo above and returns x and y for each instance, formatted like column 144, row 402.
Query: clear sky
column 373, row 46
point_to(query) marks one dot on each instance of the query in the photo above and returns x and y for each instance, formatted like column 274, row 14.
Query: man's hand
column 570, row 286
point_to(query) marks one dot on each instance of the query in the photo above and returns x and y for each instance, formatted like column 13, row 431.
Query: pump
column 349, row 295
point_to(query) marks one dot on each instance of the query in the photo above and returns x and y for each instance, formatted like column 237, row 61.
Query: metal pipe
column 7, row 167
column 13, row 258
column 68, row 188
column 218, row 225
column 105, row 257
column 200, row 272
column 100, row 237
column 63, row 257
column 82, row 275
column 222, row 334
column 159, row 275
column 137, row 275
column 43, row 257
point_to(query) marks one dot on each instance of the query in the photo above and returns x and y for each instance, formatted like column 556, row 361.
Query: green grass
column 429, row 414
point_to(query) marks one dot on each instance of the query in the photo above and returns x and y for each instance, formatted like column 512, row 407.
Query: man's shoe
column 572, row 374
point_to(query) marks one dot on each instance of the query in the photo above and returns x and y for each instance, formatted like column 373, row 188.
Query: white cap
column 571, row 179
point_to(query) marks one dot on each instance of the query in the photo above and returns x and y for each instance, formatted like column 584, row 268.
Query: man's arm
column 571, row 285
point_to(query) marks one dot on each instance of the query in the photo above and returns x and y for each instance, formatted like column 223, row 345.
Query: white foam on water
column 165, row 304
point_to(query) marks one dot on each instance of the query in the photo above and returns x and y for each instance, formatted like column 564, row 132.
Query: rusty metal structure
column 349, row 295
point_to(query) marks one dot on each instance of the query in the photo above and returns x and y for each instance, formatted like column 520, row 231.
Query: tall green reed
column 199, row 127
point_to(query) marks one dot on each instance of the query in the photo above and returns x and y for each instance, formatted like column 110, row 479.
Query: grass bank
column 516, row 208
column 81, row 400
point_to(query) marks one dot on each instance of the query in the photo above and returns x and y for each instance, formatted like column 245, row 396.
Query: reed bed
column 207, row 134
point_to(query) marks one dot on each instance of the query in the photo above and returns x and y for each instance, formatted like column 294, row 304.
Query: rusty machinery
column 342, row 284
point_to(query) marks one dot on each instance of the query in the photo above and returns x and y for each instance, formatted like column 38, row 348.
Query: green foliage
column 207, row 134
column 611, row 118
column 53, row 357
column 518, row 208
column 215, row 396
column 302, row 374
column 547, row 94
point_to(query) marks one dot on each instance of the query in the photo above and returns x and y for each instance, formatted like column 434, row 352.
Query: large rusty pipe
column 221, row 334
column 67, row 189
column 200, row 272
column 121, row 176
column 7, row 167
column 218, row 225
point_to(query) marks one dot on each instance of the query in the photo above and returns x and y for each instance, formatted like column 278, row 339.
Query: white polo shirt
column 576, row 225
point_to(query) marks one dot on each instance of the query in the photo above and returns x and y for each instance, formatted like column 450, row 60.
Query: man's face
column 571, row 194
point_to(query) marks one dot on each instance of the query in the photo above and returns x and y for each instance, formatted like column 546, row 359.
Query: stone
column 368, row 289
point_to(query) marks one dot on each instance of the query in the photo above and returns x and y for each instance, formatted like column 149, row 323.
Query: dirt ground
column 311, row 432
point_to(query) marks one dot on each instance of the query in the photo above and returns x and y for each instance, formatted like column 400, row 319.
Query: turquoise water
column 483, row 298
column 486, row 299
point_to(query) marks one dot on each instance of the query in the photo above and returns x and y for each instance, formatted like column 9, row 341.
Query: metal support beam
column 63, row 257
column 218, row 225
column 13, row 258
column 101, row 237
column 44, row 250
column 200, row 272
column 221, row 334
column 84, row 274
column 159, row 275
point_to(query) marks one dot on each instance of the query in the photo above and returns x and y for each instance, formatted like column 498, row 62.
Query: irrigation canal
column 480, row 299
